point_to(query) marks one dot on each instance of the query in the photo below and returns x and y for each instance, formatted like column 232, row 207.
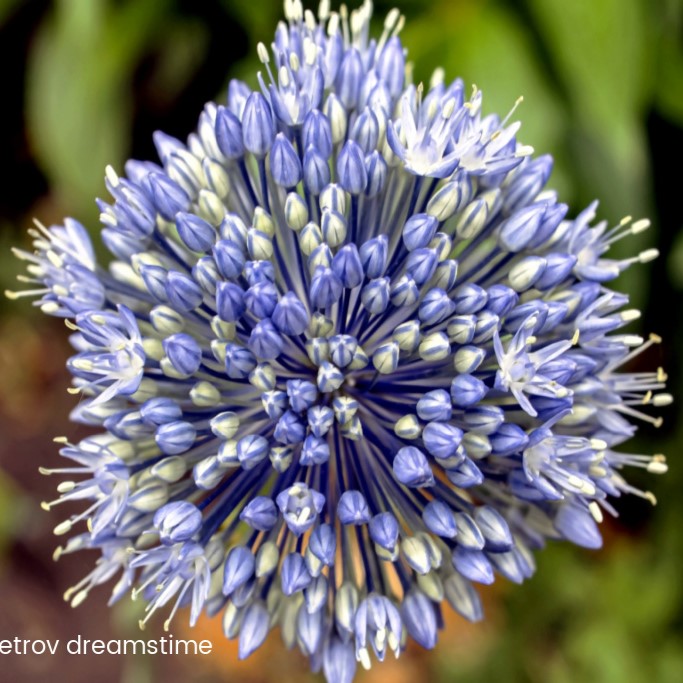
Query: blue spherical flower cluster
column 349, row 359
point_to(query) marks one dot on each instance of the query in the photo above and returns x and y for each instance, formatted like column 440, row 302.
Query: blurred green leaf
column 601, row 53
column 10, row 266
column 78, row 98
column 670, row 60
column 12, row 511
column 179, row 52
column 6, row 8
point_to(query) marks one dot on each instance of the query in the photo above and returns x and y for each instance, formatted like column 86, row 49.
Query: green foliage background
column 602, row 80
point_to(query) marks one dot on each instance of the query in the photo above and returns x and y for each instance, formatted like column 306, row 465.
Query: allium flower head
column 350, row 357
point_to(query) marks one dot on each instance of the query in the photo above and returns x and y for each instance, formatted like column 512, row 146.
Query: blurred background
column 85, row 83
